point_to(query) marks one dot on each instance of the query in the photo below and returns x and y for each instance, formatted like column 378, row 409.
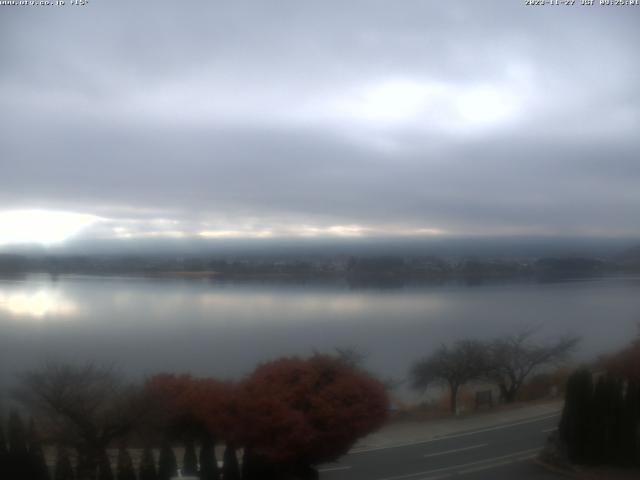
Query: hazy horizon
column 508, row 247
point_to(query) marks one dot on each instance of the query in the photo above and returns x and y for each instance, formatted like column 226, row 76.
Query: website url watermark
column 42, row 3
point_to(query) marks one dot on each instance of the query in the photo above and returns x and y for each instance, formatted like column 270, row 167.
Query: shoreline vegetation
column 318, row 407
column 356, row 270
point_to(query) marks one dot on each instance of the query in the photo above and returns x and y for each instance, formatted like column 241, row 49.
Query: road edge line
column 456, row 435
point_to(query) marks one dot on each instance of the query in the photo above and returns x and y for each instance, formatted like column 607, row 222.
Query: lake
column 205, row 327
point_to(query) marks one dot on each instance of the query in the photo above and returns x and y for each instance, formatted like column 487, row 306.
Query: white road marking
column 499, row 427
column 548, row 430
column 446, row 452
column 460, row 468
column 455, row 435
column 333, row 469
column 519, row 458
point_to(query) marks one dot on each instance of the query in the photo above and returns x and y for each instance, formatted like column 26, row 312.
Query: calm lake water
column 222, row 329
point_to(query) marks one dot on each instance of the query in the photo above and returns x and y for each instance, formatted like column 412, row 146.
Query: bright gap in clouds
column 44, row 227
column 47, row 227
column 485, row 106
column 396, row 104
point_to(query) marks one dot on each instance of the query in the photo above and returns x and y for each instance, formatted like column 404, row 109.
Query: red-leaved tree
column 193, row 405
column 308, row 411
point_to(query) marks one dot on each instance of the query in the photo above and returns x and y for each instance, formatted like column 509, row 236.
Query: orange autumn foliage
column 186, row 400
column 308, row 411
column 289, row 411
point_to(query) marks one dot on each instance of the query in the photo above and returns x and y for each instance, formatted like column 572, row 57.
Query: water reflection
column 39, row 304
column 211, row 328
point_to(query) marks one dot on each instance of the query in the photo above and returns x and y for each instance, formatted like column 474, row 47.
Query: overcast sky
column 318, row 118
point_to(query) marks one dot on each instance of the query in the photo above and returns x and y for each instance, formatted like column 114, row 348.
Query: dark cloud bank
column 323, row 119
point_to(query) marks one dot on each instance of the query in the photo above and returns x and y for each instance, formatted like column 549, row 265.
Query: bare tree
column 513, row 358
column 453, row 366
column 86, row 407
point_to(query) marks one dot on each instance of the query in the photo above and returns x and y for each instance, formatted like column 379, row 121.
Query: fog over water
column 207, row 328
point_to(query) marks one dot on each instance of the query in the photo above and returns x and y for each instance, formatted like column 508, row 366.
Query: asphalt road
column 500, row 452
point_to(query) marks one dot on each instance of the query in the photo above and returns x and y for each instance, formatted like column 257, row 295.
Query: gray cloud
column 323, row 118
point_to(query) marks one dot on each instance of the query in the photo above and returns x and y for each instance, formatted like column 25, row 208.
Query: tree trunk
column 508, row 394
column 453, row 401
